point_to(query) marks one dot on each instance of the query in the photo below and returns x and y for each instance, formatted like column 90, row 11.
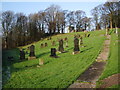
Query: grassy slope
column 112, row 63
column 56, row 72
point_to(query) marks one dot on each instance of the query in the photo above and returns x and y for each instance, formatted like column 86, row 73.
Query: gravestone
column 41, row 62
column 42, row 45
column 53, row 53
column 76, row 46
column 88, row 35
column 46, row 44
column 66, row 40
column 32, row 53
column 60, row 48
column 53, row 43
column 81, row 41
column 85, row 34
column 22, row 55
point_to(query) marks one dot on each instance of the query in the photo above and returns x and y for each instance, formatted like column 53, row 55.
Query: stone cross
column 22, row 55
column 76, row 46
column 53, row 53
column 60, row 48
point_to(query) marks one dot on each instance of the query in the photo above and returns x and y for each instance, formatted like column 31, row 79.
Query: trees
column 7, row 20
column 107, row 15
column 79, row 15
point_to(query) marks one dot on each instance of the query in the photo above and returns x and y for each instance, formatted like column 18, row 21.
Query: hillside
column 56, row 72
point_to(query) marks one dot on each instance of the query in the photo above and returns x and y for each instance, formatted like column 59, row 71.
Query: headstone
column 60, row 48
column 85, row 34
column 81, row 41
column 41, row 62
column 22, row 55
column 50, row 38
column 42, row 45
column 76, row 46
column 53, row 43
column 32, row 53
column 46, row 44
column 53, row 53
column 66, row 40
column 88, row 35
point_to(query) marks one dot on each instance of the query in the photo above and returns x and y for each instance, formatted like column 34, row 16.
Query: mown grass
column 112, row 62
column 56, row 72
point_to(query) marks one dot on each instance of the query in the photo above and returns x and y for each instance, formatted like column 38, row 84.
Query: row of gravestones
column 53, row 50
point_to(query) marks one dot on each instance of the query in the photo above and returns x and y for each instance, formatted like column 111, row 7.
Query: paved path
column 90, row 76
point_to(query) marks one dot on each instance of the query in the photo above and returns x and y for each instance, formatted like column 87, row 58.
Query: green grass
column 112, row 62
column 56, row 72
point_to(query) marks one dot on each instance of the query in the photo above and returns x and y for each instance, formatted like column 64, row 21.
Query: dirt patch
column 111, row 80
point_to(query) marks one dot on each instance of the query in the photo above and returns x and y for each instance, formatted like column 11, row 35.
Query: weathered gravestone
column 85, row 34
column 22, row 55
column 32, row 53
column 42, row 45
column 46, row 44
column 76, row 46
column 53, row 43
column 53, row 53
column 81, row 41
column 60, row 48
column 41, row 62
column 66, row 40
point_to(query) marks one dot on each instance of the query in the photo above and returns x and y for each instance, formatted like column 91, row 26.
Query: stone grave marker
column 32, row 53
column 76, row 46
column 81, row 41
column 22, row 55
column 85, row 34
column 46, row 44
column 53, row 53
column 41, row 62
column 53, row 43
column 60, row 48
column 66, row 40
column 42, row 45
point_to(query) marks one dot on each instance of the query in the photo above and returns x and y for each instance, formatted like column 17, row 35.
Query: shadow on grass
column 86, row 49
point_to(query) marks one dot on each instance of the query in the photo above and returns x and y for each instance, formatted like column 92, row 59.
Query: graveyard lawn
column 112, row 62
column 56, row 72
